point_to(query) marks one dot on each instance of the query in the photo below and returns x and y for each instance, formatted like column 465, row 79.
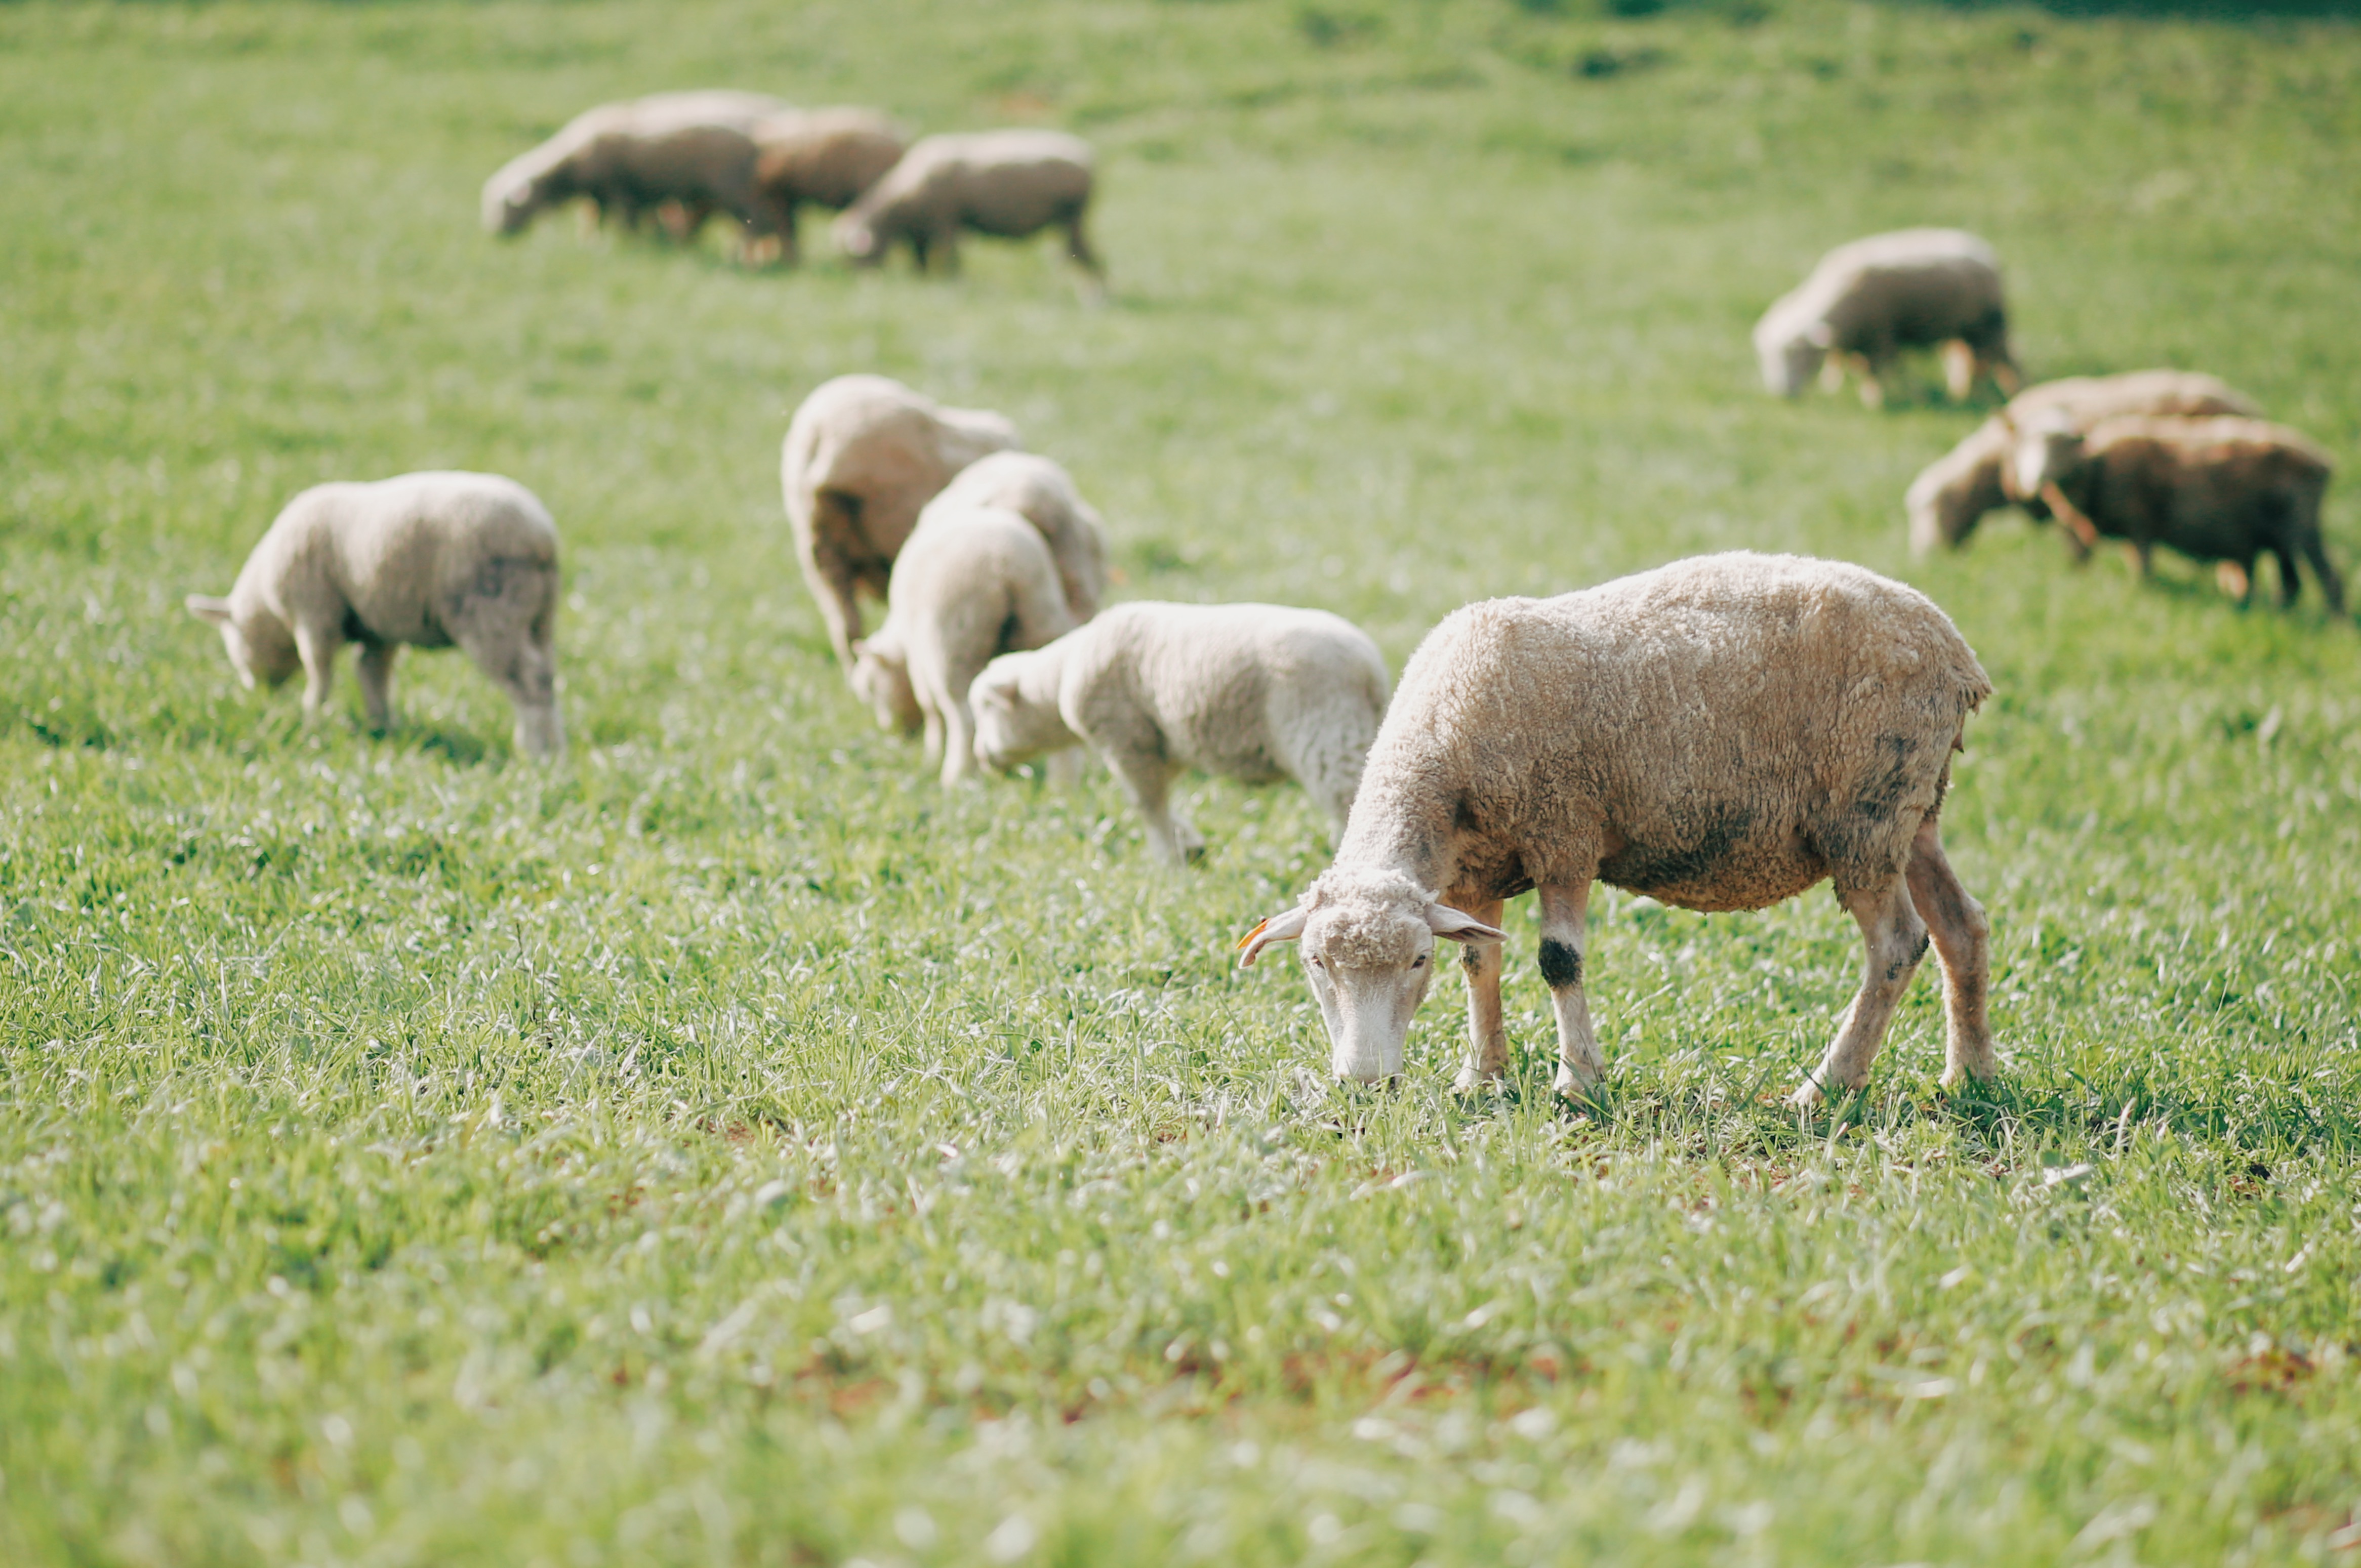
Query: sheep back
column 827, row 156
column 1720, row 733
column 1040, row 490
column 1008, row 183
column 1242, row 690
column 398, row 559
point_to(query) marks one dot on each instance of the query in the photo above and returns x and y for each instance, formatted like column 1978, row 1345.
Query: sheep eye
column 1315, row 960
column 1419, row 962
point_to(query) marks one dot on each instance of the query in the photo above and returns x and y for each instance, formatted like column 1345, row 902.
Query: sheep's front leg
column 317, row 647
column 1566, row 911
column 377, row 675
column 1487, row 1036
column 1149, row 778
column 1959, row 365
column 1962, row 944
column 1893, row 938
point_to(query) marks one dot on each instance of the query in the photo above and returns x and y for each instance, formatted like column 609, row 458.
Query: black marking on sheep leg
column 1471, row 958
column 1561, row 963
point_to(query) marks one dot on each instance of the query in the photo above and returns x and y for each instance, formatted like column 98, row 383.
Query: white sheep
column 972, row 582
column 1254, row 692
column 1043, row 493
column 1720, row 734
column 1009, row 183
column 1950, row 496
column 426, row 560
column 862, row 454
column 697, row 149
column 1867, row 299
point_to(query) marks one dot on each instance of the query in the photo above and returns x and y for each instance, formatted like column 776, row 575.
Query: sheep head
column 1790, row 353
column 1016, row 715
column 2044, row 452
column 857, row 238
column 881, row 677
column 1368, row 945
column 259, row 649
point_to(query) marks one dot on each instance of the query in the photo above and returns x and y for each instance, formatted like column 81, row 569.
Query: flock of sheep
column 1720, row 733
column 681, row 157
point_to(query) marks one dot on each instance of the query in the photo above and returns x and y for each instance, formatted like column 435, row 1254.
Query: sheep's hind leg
column 376, row 677
column 1565, row 934
column 1892, row 940
column 1170, row 837
column 1962, row 944
column 1488, row 1037
column 2332, row 586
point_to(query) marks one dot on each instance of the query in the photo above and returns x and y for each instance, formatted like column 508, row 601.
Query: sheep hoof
column 1574, row 1089
column 1809, row 1095
column 1476, row 1080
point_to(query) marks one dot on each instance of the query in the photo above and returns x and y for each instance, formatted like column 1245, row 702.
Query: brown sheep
column 2215, row 489
column 1009, row 183
column 1951, row 495
column 863, row 454
column 695, row 149
column 826, row 157
column 1865, row 300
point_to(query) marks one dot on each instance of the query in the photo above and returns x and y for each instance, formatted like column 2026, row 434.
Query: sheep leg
column 1892, row 940
column 1171, row 837
column 830, row 575
column 1872, row 369
column 1565, row 934
column 317, row 647
column 1078, row 247
column 958, row 738
column 2290, row 585
column 934, row 732
column 946, row 249
column 1488, row 1037
column 1963, row 947
column 2332, row 586
column 376, row 674
column 525, row 668
column 2235, row 578
column 1960, row 363
column 1064, row 768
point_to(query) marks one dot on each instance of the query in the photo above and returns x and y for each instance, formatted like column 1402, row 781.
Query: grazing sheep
column 1947, row 501
column 972, row 582
column 1010, row 183
column 429, row 560
column 1866, row 301
column 2220, row 489
column 862, row 454
column 1042, row 491
column 1255, row 692
column 697, row 149
column 1720, row 734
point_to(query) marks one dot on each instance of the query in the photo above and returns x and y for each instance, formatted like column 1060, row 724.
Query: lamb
column 1947, row 501
column 694, row 148
column 1010, row 183
column 1042, row 491
column 862, row 454
column 427, row 559
column 1867, row 299
column 2223, row 489
column 1720, row 734
column 972, row 582
column 1255, row 692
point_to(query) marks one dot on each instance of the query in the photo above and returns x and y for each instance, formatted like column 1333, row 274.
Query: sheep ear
column 1453, row 927
column 1285, row 927
column 206, row 607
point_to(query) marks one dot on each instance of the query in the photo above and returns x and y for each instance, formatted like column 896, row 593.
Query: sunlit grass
column 729, row 1147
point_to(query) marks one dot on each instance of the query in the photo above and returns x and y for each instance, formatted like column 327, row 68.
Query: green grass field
column 731, row 1148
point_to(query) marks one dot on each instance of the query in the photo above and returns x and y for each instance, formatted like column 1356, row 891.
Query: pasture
column 729, row 1148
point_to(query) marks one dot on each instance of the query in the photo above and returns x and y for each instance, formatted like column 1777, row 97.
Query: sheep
column 862, row 454
column 1866, row 300
column 2223, row 490
column 694, row 148
column 1255, row 692
column 972, row 582
column 1947, row 501
column 1720, row 734
column 1042, row 491
column 427, row 559
column 1010, row 183
column 823, row 157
